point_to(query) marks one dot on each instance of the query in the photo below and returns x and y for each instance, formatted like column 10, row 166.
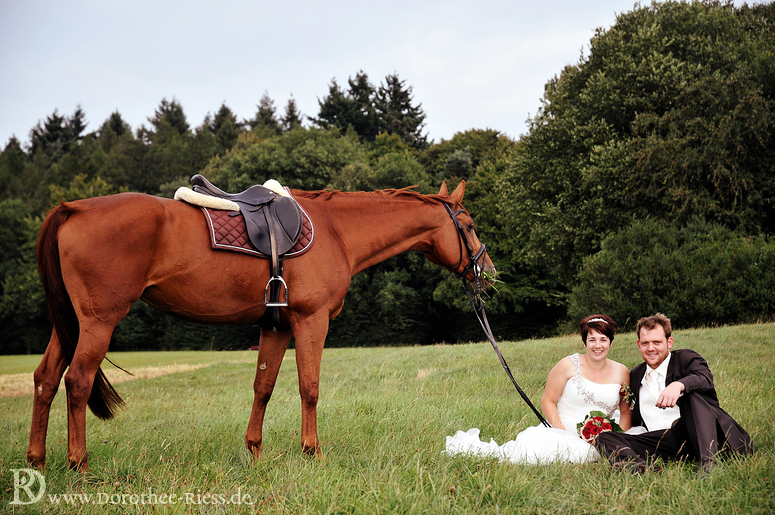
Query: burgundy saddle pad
column 230, row 233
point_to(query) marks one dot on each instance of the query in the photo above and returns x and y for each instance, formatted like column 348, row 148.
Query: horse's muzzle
column 489, row 276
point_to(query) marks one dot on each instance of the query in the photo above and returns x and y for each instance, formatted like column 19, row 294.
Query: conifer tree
column 354, row 108
column 398, row 115
column 116, row 124
column 292, row 117
column 57, row 134
column 265, row 119
column 172, row 114
column 225, row 128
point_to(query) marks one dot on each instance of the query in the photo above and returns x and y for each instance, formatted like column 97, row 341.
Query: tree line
column 644, row 183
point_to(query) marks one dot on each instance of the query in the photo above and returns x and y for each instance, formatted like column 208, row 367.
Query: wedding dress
column 541, row 444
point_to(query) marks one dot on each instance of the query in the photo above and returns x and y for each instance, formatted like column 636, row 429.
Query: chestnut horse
column 97, row 256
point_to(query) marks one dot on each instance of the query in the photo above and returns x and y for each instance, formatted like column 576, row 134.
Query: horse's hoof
column 254, row 449
column 313, row 452
column 37, row 462
column 79, row 466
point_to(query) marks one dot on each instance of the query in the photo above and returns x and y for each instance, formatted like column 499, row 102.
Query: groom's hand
column 670, row 395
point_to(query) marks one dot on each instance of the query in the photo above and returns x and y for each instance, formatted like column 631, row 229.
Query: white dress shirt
column 652, row 385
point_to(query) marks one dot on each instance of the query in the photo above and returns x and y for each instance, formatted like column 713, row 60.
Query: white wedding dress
column 541, row 444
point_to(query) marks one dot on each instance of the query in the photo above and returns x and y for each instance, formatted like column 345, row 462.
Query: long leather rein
column 475, row 299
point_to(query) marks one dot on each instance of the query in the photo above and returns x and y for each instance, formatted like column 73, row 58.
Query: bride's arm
column 555, row 384
column 625, row 415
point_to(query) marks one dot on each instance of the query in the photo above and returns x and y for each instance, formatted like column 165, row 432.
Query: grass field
column 383, row 416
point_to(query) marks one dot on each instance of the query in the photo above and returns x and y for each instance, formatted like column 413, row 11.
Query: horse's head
column 456, row 246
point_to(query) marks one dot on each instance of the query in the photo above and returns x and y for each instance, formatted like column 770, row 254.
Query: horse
column 98, row 256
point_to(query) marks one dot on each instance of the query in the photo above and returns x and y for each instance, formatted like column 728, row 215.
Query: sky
column 471, row 65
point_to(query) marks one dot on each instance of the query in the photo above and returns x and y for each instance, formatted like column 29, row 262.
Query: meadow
column 383, row 417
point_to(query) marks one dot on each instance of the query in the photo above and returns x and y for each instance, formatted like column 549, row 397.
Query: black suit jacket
column 706, row 425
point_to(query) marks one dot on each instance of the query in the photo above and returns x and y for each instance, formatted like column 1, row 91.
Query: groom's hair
column 653, row 321
column 603, row 324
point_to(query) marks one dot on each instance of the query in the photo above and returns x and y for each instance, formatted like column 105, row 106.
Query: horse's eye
column 471, row 227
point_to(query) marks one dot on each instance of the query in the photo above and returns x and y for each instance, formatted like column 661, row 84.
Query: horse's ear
column 457, row 195
column 443, row 190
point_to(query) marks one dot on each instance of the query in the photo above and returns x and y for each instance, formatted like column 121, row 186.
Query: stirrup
column 275, row 304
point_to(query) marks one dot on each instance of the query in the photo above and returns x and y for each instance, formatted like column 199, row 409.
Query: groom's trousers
column 700, row 433
column 624, row 449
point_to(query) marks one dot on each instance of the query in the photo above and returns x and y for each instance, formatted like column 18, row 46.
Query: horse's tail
column 103, row 400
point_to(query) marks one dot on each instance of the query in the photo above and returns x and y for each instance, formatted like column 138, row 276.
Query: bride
column 577, row 385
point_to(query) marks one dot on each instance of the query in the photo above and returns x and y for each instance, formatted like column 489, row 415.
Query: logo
column 25, row 490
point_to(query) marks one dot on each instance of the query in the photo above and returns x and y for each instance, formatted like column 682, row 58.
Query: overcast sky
column 472, row 65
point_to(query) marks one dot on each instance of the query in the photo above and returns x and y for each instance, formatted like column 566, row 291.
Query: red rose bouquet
column 595, row 423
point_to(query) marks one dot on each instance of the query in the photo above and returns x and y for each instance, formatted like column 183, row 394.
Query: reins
column 476, row 302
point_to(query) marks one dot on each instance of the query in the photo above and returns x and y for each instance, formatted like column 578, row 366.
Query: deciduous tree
column 669, row 116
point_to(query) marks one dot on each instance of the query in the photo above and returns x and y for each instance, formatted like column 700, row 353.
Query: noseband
column 474, row 258
column 475, row 299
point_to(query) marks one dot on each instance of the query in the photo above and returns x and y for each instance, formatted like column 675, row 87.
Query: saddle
column 274, row 224
column 268, row 215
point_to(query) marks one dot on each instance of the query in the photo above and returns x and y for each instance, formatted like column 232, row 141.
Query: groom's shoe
column 635, row 467
column 703, row 469
column 654, row 469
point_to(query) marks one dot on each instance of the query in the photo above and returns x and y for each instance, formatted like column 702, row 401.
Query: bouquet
column 595, row 423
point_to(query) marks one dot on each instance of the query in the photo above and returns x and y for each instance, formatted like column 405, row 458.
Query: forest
column 645, row 183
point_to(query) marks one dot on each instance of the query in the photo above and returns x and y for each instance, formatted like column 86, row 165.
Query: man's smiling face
column 654, row 346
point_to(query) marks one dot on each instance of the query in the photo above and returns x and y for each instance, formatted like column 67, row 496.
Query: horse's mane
column 407, row 193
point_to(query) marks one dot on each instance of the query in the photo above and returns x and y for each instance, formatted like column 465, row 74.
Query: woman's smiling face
column 597, row 345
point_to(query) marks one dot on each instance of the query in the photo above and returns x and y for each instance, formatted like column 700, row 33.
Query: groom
column 676, row 401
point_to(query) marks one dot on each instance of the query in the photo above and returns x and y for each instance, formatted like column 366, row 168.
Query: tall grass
column 383, row 416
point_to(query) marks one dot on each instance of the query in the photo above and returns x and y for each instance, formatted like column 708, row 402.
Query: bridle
column 475, row 298
column 473, row 263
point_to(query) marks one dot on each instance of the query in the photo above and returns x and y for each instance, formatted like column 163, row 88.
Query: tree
column 81, row 187
column 225, row 128
column 391, row 163
column 369, row 111
column 304, row 159
column 354, row 108
column 265, row 120
column 23, row 324
column 57, row 135
column 167, row 152
column 461, row 156
column 116, row 124
column 170, row 114
column 397, row 114
column 12, row 163
column 292, row 119
column 670, row 116
column 700, row 273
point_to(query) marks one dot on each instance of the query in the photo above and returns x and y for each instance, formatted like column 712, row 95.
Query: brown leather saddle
column 228, row 232
column 274, row 225
column 273, row 221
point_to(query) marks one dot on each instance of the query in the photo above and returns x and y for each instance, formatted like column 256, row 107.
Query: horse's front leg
column 271, row 349
column 46, row 377
column 310, row 337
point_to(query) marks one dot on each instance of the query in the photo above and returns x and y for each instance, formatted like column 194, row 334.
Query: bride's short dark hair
column 603, row 324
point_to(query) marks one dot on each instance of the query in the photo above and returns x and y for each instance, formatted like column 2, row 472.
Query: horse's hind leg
column 271, row 349
column 93, row 344
column 47, row 377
